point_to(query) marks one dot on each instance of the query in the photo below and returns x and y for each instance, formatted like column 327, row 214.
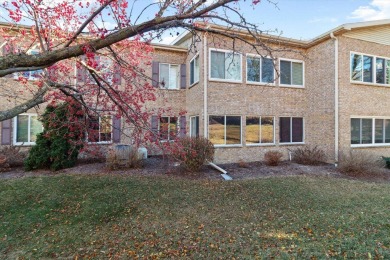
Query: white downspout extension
column 336, row 98
column 205, row 112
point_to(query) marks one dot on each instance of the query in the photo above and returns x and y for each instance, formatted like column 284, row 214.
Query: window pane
column 366, row 131
column 355, row 131
column 379, row 131
column 284, row 129
column 174, row 77
column 164, row 128
column 387, row 71
column 380, row 70
column 93, row 129
column 267, row 130
column 253, row 69
column 35, row 128
column 297, row 129
column 164, row 75
column 172, row 128
column 297, row 73
column 233, row 130
column 194, row 126
column 267, row 70
column 367, row 69
column 217, row 65
column 252, row 130
column 217, row 129
column 105, row 129
column 285, row 72
column 22, row 129
column 192, row 72
column 196, row 69
column 233, row 66
column 356, row 67
column 387, row 131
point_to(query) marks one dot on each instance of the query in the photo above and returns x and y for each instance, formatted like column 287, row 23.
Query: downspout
column 205, row 78
column 336, row 98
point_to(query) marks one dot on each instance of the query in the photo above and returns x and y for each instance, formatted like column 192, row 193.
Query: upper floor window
column 370, row 131
column 370, row 69
column 259, row 69
column 30, row 75
column 225, row 130
column 291, row 73
column 259, row 130
column 194, row 70
column 27, row 127
column 100, row 129
column 169, row 76
column 225, row 65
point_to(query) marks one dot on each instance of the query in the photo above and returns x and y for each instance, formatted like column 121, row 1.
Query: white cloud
column 376, row 10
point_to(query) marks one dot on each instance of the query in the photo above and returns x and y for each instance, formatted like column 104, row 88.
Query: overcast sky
column 306, row 19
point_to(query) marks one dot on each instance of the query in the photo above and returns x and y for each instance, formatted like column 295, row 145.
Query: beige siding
column 379, row 34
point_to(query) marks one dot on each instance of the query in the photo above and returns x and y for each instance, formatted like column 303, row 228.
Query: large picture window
column 168, row 128
column 225, row 130
column 225, row 65
column 291, row 73
column 370, row 131
column 259, row 130
column 291, row 129
column 194, row 70
column 169, row 76
column 370, row 69
column 27, row 127
column 259, row 69
column 100, row 129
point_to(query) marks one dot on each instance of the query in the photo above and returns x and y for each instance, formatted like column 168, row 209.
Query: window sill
column 226, row 80
column 260, row 145
column 24, row 144
column 369, row 145
column 297, row 143
column 369, row 84
column 228, row 146
column 254, row 83
column 194, row 84
column 100, row 143
column 172, row 89
column 291, row 86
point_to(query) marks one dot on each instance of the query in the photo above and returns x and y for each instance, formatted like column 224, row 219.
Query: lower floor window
column 27, row 127
column 100, row 129
column 291, row 129
column 225, row 130
column 370, row 131
column 168, row 128
column 194, row 126
column 259, row 130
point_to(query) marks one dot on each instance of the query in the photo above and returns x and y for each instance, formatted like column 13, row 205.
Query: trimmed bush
column 192, row 152
column 308, row 155
column 11, row 156
column 58, row 146
column 273, row 158
column 360, row 163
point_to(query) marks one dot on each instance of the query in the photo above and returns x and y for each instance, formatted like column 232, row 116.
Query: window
column 27, row 127
column 370, row 131
column 100, row 129
column 370, row 69
column 194, row 70
column 30, row 75
column 291, row 72
column 259, row 130
column 225, row 130
column 225, row 65
column 259, row 69
column 168, row 127
column 194, row 126
column 169, row 76
column 291, row 129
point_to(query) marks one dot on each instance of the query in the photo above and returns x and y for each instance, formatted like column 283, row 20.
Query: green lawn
column 103, row 216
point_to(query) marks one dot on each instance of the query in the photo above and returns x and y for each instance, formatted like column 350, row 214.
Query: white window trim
column 224, row 80
column 226, row 145
column 303, row 73
column 193, row 59
column 169, row 130
column 261, row 144
column 261, row 69
column 303, row 132
column 159, row 75
column 112, row 133
column 374, row 57
column 15, row 126
column 191, row 125
column 373, row 132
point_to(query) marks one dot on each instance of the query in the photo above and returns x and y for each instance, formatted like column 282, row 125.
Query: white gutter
column 336, row 98
column 224, row 173
column 205, row 112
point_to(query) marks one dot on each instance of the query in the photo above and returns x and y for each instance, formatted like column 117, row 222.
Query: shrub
column 308, row 155
column 123, row 158
column 193, row 152
column 359, row 163
column 58, row 146
column 273, row 158
column 242, row 164
column 11, row 156
column 387, row 161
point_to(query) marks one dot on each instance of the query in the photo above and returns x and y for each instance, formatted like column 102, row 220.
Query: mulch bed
column 158, row 166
